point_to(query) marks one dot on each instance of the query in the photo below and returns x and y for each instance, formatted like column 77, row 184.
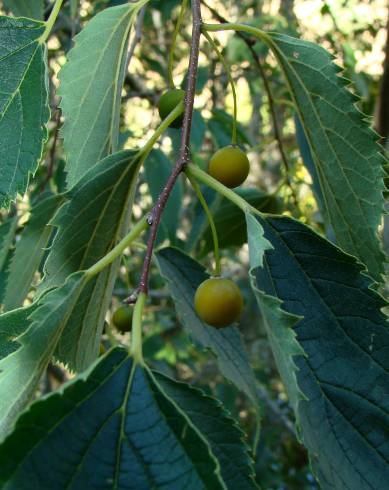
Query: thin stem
column 184, row 150
column 180, row 19
column 161, row 129
column 206, row 179
column 261, row 35
column 137, row 36
column 136, row 331
column 231, row 81
column 211, row 221
column 51, row 21
column 137, row 230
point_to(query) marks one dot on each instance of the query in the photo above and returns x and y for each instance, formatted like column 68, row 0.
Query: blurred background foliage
column 356, row 33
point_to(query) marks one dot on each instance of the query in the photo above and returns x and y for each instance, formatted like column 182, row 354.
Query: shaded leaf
column 221, row 432
column 7, row 235
column 24, row 110
column 29, row 252
column 91, row 84
column 184, row 276
column 26, row 8
column 113, row 427
column 230, row 221
column 278, row 323
column 345, row 371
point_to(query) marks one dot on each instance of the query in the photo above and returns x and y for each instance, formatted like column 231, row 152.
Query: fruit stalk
column 184, row 150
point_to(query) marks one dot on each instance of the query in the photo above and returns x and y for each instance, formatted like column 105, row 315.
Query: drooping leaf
column 278, row 323
column 32, row 9
column 157, row 170
column 221, row 432
column 184, row 276
column 90, row 224
column 37, row 330
column 91, row 84
column 348, row 159
column 123, row 430
column 199, row 219
column 12, row 325
column 220, row 126
column 29, row 252
column 230, row 220
column 7, row 235
column 344, row 376
column 24, row 110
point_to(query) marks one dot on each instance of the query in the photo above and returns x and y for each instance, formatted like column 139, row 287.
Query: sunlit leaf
column 91, row 84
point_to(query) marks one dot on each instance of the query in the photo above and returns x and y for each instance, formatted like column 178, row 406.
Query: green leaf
column 24, row 110
column 347, row 156
column 157, row 171
column 7, row 235
column 33, row 9
column 222, row 433
column 220, row 126
column 184, row 276
column 344, row 373
column 29, row 252
column 91, row 84
column 123, row 431
column 89, row 225
column 230, row 221
column 278, row 323
column 29, row 352
column 73, row 8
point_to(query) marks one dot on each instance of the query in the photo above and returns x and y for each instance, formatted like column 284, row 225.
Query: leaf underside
column 24, row 110
column 344, row 373
column 29, row 252
column 89, row 225
column 127, row 427
column 348, row 159
column 184, row 276
column 91, row 83
column 32, row 9
column 28, row 338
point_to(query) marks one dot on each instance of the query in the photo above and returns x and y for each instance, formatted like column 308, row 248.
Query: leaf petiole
column 136, row 332
column 51, row 21
column 231, row 81
column 137, row 230
column 206, row 179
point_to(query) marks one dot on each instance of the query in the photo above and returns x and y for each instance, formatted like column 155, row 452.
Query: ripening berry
column 218, row 302
column 168, row 102
column 230, row 166
column 122, row 319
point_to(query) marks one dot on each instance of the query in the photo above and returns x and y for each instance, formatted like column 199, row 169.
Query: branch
column 183, row 159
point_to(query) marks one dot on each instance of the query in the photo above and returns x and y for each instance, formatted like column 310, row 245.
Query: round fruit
column 218, row 302
column 168, row 102
column 230, row 166
column 122, row 319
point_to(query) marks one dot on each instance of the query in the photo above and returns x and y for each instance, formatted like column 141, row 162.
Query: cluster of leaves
column 121, row 423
